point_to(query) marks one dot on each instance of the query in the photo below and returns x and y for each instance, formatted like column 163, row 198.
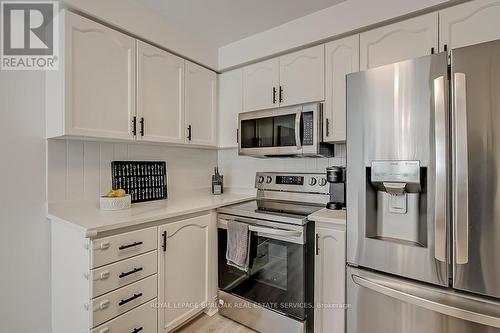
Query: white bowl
column 110, row 203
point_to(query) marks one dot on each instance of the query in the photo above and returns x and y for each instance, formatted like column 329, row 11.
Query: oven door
column 276, row 277
column 271, row 132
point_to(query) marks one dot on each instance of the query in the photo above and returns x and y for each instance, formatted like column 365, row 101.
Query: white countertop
column 88, row 216
column 329, row 216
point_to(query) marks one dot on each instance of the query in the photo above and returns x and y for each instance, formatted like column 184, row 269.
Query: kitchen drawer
column 122, row 273
column 124, row 299
column 122, row 246
column 139, row 320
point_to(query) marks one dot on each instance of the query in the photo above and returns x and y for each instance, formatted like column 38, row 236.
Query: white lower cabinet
column 329, row 279
column 185, row 268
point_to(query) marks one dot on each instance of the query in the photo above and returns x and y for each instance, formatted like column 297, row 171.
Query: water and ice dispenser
column 396, row 202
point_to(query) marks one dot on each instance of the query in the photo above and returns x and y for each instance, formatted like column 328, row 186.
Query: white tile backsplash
column 239, row 171
column 82, row 169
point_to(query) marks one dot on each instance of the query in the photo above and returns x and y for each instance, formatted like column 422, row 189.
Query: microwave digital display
column 290, row 180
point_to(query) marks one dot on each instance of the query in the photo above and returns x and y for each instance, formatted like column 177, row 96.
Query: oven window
column 276, row 131
column 276, row 277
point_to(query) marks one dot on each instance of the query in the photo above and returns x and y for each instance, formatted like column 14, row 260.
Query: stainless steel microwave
column 291, row 131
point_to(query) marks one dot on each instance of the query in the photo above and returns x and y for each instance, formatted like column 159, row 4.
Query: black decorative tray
column 143, row 180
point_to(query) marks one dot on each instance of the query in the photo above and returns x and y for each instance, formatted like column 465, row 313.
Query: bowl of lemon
column 115, row 200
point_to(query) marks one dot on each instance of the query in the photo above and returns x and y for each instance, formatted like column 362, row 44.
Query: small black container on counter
column 143, row 180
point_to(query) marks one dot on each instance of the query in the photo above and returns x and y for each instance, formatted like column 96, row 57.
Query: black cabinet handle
column 123, row 247
column 327, row 127
column 317, row 244
column 281, row 94
column 164, row 245
column 432, row 50
column 136, row 330
column 135, row 270
column 130, row 299
column 190, row 132
column 134, row 126
column 142, row 126
column 274, row 95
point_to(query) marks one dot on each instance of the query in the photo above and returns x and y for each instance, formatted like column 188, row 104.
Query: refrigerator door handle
column 461, row 192
column 440, row 218
column 426, row 302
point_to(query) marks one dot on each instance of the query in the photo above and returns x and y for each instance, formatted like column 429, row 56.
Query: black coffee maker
column 336, row 177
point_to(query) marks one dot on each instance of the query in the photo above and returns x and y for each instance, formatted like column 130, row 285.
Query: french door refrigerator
column 423, row 194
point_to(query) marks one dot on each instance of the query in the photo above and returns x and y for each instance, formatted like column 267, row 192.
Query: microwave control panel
column 308, row 129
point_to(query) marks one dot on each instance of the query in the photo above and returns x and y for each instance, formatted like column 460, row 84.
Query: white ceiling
column 220, row 22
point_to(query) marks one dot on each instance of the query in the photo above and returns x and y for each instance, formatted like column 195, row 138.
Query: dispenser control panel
column 396, row 171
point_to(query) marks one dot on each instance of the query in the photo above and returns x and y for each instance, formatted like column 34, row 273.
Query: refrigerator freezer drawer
column 381, row 303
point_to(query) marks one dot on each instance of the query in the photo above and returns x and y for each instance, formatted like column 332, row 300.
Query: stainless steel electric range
column 276, row 294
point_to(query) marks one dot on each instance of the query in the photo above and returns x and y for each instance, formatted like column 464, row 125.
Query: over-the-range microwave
column 289, row 131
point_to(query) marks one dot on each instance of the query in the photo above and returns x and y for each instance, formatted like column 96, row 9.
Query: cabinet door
column 201, row 104
column 261, row 85
column 400, row 41
column 230, row 104
column 342, row 58
column 99, row 80
column 469, row 23
column 183, row 271
column 160, row 95
column 302, row 76
column 329, row 284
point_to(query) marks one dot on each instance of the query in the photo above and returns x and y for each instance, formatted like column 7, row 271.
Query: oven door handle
column 298, row 141
column 276, row 232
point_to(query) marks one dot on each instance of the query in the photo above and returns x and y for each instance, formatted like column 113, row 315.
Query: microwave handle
column 298, row 117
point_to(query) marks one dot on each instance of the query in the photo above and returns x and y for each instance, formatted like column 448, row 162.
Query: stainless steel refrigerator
column 423, row 194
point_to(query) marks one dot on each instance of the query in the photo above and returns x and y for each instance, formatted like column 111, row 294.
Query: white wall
column 82, row 169
column 24, row 231
column 319, row 26
column 129, row 16
column 239, row 171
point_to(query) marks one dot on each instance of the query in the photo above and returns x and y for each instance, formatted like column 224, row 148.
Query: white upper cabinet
column 201, row 105
column 184, row 270
column 261, row 85
column 97, row 84
column 230, row 104
column 342, row 58
column 329, row 280
column 469, row 23
column 302, row 76
column 400, row 41
column 160, row 95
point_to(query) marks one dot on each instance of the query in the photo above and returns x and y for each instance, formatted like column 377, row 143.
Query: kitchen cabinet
column 230, row 105
column 470, row 23
column 260, row 85
column 329, row 279
column 302, row 76
column 185, row 270
column 160, row 95
column 400, row 41
column 93, row 93
column 342, row 58
column 294, row 78
column 201, row 105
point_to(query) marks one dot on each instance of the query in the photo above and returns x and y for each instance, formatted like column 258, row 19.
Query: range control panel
column 293, row 182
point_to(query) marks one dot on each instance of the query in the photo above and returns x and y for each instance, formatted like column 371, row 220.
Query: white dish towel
column 238, row 245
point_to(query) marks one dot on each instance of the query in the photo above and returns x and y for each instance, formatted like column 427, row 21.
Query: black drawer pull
column 123, row 247
column 136, row 330
column 130, row 299
column 135, row 270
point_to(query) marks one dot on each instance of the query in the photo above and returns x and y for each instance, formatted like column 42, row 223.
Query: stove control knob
column 269, row 179
column 322, row 182
column 312, row 181
column 261, row 179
